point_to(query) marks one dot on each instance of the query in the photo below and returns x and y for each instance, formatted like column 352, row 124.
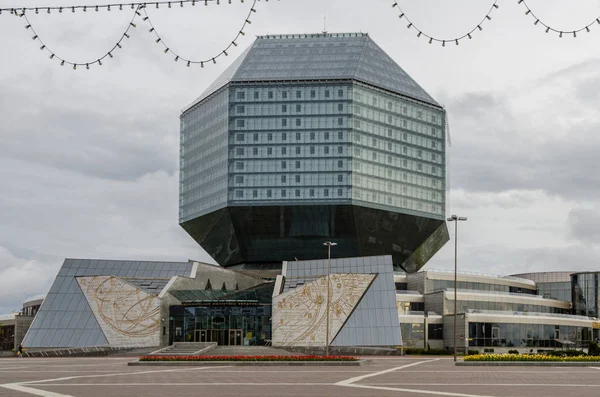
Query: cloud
column 524, row 140
column 21, row 278
column 584, row 225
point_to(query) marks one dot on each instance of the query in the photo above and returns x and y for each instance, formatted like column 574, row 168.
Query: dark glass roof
column 320, row 57
column 260, row 294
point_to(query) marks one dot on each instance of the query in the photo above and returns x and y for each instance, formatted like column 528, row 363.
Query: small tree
column 593, row 349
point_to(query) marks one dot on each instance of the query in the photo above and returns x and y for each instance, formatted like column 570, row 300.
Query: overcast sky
column 89, row 158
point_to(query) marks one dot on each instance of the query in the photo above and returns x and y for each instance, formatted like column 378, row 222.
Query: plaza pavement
column 384, row 376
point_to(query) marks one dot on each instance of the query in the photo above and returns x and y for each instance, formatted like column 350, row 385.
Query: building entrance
column 223, row 337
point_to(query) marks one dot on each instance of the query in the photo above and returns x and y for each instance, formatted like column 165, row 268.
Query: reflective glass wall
column 399, row 152
column 527, row 335
column 555, row 290
column 289, row 143
column 586, row 294
column 221, row 324
column 203, row 157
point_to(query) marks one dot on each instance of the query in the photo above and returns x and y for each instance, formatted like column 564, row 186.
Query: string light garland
column 548, row 28
column 454, row 40
column 138, row 8
column 87, row 65
column 213, row 59
column 116, row 6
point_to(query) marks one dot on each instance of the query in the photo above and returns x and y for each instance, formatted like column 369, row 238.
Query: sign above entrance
column 220, row 303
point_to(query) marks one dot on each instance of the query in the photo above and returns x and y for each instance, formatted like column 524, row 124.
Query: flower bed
column 248, row 358
column 530, row 357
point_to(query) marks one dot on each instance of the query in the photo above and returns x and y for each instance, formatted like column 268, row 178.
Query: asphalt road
column 401, row 376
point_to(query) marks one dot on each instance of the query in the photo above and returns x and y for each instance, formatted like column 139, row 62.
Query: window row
column 527, row 335
column 302, row 151
column 396, row 202
column 397, row 105
column 368, row 168
column 395, row 135
column 257, row 180
column 439, row 285
column 280, row 109
column 284, row 93
column 298, row 122
column 503, row 307
column 285, row 137
column 311, row 165
column 283, row 194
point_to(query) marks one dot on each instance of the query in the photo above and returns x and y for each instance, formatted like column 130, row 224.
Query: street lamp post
column 329, row 244
column 455, row 219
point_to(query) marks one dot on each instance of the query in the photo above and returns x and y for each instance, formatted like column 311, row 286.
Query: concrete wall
column 21, row 327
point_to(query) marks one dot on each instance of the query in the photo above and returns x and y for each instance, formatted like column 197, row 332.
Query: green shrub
column 593, row 349
column 472, row 352
column 414, row 350
column 531, row 357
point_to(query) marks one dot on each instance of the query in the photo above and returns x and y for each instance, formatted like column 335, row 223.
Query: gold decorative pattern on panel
column 299, row 315
column 125, row 309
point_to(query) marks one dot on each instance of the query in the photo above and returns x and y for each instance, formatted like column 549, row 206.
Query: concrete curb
column 525, row 364
column 248, row 363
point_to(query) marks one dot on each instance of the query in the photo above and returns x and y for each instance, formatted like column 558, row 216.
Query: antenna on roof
column 324, row 25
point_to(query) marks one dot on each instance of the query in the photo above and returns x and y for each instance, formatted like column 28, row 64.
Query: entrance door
column 235, row 337
column 201, row 335
column 220, row 336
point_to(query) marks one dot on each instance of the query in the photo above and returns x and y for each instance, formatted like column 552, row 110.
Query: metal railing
column 531, row 314
column 519, row 294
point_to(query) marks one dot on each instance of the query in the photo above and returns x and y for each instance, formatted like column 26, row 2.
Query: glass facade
column 302, row 139
column 226, row 325
column 504, row 306
column 414, row 332
column 527, row 335
column 398, row 153
column 586, row 294
column 440, row 285
column 555, row 290
column 290, row 144
column 7, row 337
column 203, row 157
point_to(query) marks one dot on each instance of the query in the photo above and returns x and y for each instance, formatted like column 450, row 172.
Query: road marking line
column 351, row 383
column 270, row 384
column 417, row 391
column 119, row 374
column 485, row 384
column 348, row 382
column 3, row 368
column 35, row 392
column 25, row 388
